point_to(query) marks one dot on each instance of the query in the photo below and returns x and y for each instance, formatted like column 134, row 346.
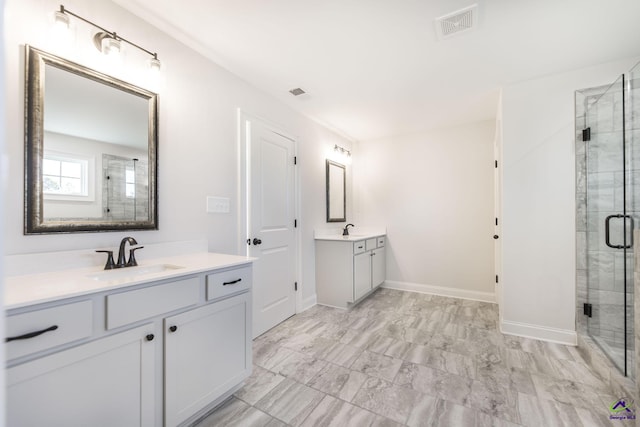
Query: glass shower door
column 610, row 225
column 632, row 200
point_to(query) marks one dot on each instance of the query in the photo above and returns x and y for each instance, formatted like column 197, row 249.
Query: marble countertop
column 25, row 290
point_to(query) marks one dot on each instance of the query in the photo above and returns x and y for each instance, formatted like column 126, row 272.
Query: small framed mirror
column 336, row 192
column 90, row 149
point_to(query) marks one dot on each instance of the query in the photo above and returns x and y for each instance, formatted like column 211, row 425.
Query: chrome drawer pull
column 231, row 283
column 31, row 334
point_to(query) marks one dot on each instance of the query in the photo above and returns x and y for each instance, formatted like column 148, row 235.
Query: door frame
column 241, row 249
column 498, row 144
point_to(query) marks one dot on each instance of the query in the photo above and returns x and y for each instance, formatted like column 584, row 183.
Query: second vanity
column 348, row 268
column 153, row 345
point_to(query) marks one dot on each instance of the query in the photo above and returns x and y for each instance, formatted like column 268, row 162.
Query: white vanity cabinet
column 207, row 353
column 347, row 270
column 155, row 354
column 369, row 271
column 107, row 382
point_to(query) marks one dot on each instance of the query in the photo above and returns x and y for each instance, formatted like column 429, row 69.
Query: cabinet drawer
column 73, row 322
column 381, row 241
column 132, row 306
column 371, row 244
column 358, row 247
column 228, row 282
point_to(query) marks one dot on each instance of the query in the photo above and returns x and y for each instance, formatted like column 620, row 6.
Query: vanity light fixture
column 107, row 42
column 61, row 20
column 154, row 63
column 341, row 150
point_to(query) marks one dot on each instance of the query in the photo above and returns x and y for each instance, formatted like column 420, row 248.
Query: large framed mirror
column 336, row 192
column 91, row 147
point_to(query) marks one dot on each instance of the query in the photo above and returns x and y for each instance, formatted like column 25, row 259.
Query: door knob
column 495, row 236
column 257, row 241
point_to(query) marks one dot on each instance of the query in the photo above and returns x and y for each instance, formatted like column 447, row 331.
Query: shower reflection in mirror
column 94, row 180
column 124, row 193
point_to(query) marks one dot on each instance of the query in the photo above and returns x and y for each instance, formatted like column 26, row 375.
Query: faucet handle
column 132, row 258
column 110, row 265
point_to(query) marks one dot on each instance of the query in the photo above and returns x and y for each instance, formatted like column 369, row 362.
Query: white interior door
column 270, row 224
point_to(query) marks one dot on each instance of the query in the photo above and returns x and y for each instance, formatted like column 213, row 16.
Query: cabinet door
column 378, row 267
column 361, row 274
column 207, row 353
column 108, row 382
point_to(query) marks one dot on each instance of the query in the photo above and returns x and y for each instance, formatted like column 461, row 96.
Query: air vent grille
column 457, row 22
column 297, row 91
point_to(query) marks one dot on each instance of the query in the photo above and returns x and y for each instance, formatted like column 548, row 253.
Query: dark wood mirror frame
column 332, row 187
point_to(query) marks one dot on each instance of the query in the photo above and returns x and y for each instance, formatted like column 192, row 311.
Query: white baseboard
column 440, row 290
column 307, row 303
column 544, row 333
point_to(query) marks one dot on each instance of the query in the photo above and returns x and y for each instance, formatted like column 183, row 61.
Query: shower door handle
column 607, row 234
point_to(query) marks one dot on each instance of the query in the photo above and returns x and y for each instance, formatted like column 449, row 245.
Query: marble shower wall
column 115, row 202
column 636, row 269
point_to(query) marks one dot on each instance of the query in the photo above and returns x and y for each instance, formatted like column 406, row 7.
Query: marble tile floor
column 616, row 354
column 408, row 359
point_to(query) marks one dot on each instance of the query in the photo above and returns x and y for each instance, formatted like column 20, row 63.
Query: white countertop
column 352, row 237
column 22, row 291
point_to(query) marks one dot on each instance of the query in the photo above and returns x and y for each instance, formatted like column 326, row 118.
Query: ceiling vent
column 458, row 22
column 297, row 92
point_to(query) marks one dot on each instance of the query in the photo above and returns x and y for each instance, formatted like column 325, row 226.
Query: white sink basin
column 132, row 272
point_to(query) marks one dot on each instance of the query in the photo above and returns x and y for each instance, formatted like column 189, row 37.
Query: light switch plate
column 217, row 204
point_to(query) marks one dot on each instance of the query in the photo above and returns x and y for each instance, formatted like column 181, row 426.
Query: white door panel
column 273, row 180
column 270, row 220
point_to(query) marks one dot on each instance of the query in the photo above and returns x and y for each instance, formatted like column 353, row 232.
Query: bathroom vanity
column 159, row 344
column 348, row 268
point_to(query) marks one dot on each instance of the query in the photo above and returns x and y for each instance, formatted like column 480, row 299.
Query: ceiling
column 375, row 68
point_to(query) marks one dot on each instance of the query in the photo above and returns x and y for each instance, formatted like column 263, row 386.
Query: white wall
column 3, row 183
column 434, row 193
column 538, row 229
column 198, row 104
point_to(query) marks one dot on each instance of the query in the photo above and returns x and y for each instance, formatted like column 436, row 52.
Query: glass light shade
column 110, row 46
column 154, row 65
column 61, row 21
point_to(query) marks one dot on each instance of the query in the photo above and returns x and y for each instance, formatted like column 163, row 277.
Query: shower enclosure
column 610, row 129
column 125, row 188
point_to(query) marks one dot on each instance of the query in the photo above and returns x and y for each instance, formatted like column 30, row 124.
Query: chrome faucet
column 345, row 232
